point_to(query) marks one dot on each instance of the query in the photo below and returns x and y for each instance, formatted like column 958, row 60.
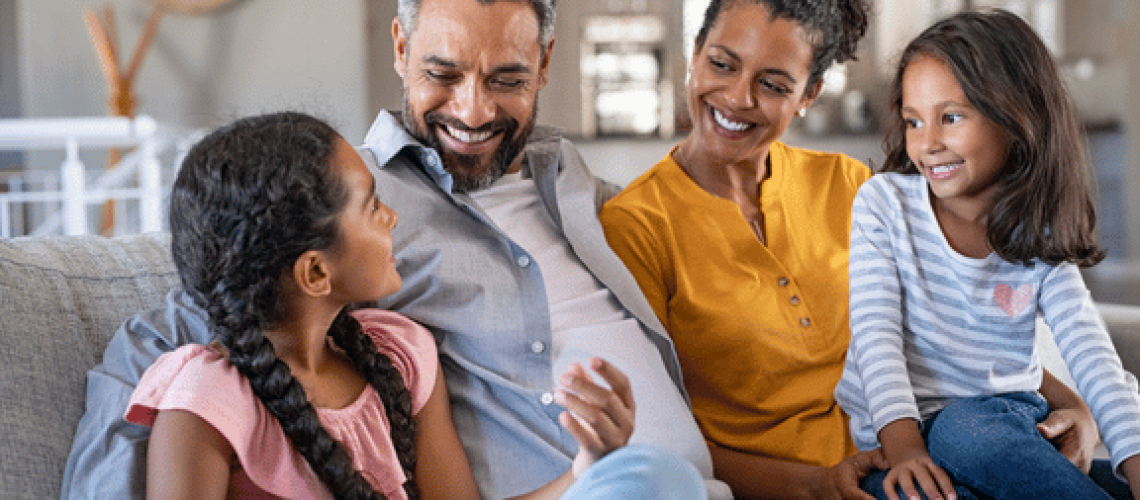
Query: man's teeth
column 942, row 169
column 728, row 124
column 468, row 137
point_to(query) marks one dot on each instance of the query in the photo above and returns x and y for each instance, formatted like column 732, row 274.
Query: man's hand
column 600, row 419
column 1074, row 433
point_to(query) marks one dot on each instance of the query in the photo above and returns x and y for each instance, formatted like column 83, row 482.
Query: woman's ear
column 811, row 93
column 311, row 274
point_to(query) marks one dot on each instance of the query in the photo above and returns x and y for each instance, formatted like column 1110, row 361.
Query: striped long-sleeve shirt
column 929, row 324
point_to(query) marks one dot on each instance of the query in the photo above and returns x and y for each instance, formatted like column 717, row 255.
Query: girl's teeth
column 942, row 169
column 468, row 137
column 730, row 125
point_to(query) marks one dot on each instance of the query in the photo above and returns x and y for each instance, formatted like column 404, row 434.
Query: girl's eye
column 951, row 118
column 911, row 123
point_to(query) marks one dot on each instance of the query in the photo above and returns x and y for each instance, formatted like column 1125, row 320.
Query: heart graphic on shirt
column 1013, row 302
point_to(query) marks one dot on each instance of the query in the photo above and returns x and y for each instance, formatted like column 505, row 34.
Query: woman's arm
column 187, row 458
column 442, row 470
column 1070, row 425
column 792, row 480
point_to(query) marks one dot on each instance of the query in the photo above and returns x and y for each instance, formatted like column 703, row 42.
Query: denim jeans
column 639, row 472
column 990, row 447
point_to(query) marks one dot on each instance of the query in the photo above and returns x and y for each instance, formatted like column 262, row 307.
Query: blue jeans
column 639, row 472
column 990, row 447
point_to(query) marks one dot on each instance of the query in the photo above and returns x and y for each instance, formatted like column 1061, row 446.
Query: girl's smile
column 959, row 150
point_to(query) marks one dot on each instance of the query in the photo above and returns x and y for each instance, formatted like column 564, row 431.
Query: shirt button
column 795, row 300
column 547, row 398
column 537, row 346
column 523, row 261
column 783, row 281
column 806, row 322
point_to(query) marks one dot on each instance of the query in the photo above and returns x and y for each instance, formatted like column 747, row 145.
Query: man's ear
column 399, row 48
column 544, row 70
column 311, row 274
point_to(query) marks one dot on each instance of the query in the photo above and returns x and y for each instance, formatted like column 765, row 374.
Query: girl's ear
column 311, row 274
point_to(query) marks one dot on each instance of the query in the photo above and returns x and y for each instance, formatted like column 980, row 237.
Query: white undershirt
column 587, row 320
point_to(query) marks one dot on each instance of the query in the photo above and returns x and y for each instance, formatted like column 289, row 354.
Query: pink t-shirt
column 198, row 379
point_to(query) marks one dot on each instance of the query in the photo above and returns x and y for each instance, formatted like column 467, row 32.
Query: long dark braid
column 250, row 198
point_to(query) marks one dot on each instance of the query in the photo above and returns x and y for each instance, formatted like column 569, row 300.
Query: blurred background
column 616, row 85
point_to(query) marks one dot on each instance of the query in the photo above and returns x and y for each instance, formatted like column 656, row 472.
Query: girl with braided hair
column 276, row 231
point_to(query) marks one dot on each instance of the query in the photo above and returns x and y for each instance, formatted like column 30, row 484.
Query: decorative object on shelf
column 120, row 95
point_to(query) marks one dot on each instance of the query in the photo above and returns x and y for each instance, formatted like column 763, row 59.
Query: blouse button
column 547, row 398
column 805, row 321
column 795, row 300
column 537, row 347
column 523, row 261
column 783, row 281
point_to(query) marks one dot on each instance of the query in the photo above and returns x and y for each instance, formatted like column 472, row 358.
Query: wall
column 9, row 75
column 204, row 70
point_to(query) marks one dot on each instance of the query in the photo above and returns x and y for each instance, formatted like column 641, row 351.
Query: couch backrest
column 61, row 300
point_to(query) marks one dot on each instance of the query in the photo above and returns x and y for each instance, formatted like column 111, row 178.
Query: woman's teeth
column 728, row 124
column 468, row 137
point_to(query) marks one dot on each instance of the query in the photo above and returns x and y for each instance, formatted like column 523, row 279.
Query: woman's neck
column 738, row 181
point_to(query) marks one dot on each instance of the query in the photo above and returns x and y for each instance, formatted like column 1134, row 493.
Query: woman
column 740, row 244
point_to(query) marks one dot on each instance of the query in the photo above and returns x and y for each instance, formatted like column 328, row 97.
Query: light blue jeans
column 639, row 472
column 991, row 448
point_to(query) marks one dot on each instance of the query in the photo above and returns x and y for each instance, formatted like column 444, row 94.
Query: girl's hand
column 600, row 419
column 1130, row 468
column 921, row 469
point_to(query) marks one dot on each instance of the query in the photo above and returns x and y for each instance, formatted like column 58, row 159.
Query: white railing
column 137, row 175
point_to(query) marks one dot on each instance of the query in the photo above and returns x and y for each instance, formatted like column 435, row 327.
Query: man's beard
column 469, row 172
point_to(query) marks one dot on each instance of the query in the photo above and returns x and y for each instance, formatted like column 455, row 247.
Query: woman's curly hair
column 834, row 27
column 250, row 198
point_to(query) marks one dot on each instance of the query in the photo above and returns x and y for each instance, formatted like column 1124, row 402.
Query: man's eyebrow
column 439, row 61
column 512, row 67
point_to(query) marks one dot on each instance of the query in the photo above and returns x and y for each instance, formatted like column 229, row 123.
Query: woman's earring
column 802, row 112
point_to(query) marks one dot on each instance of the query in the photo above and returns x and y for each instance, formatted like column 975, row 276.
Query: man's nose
column 472, row 104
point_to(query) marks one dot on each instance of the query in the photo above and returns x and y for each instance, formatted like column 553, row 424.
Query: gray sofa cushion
column 61, row 300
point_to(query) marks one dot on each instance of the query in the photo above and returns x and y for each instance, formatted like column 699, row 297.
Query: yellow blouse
column 761, row 331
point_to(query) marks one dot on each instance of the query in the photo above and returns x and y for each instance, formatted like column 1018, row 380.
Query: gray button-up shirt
column 485, row 300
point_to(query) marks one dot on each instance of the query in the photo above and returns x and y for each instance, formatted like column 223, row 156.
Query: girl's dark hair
column 249, row 199
column 834, row 27
column 1044, row 206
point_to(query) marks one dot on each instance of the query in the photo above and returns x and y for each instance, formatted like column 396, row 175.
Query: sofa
column 63, row 297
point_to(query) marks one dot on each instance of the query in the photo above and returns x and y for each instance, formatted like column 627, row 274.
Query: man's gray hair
column 409, row 13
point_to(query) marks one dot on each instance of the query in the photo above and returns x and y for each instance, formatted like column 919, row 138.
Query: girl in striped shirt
column 978, row 224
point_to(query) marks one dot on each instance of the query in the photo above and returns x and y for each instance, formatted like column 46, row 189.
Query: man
column 503, row 259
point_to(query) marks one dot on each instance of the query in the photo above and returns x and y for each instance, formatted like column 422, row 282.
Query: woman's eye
column 911, row 122
column 951, row 118
column 775, row 87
